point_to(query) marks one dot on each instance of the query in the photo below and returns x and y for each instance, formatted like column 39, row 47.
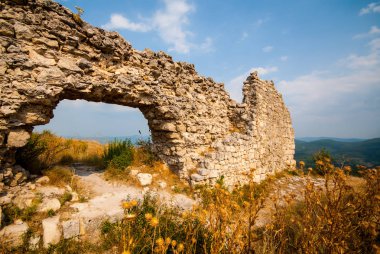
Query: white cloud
column 95, row 106
column 264, row 70
column 258, row 23
column 374, row 30
column 372, row 7
column 284, row 58
column 355, row 61
column 169, row 22
column 118, row 21
column 329, row 104
column 267, row 49
column 207, row 45
column 234, row 87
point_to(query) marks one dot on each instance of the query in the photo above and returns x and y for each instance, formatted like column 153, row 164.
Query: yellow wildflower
column 319, row 162
column 126, row 205
column 133, row 203
column 160, row 241
column 180, row 247
column 148, row 216
column 154, row 222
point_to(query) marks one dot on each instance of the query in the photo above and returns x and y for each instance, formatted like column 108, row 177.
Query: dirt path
column 106, row 197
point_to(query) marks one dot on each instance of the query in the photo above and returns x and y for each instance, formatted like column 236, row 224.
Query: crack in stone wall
column 48, row 54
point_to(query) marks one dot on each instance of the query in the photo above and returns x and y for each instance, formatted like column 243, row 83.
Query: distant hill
column 365, row 152
column 309, row 139
column 350, row 151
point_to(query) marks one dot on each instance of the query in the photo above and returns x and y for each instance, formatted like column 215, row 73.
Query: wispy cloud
column 348, row 100
column 207, row 45
column 258, row 23
column 170, row 24
column 372, row 59
column 267, row 49
column 244, row 36
column 118, row 21
column 373, row 31
column 234, row 87
column 370, row 8
column 284, row 58
column 95, row 106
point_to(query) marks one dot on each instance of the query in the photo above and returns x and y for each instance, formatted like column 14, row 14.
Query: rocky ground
column 81, row 216
column 99, row 200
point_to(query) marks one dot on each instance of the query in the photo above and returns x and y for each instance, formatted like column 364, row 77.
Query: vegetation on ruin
column 338, row 217
column 334, row 218
column 45, row 150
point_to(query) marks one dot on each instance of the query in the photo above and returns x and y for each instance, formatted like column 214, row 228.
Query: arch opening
column 103, row 122
column 80, row 131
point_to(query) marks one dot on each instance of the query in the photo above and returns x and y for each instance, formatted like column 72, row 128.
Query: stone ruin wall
column 48, row 54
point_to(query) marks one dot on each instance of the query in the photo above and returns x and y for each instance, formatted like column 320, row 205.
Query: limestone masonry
column 48, row 54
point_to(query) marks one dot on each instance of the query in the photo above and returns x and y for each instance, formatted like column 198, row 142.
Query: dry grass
column 45, row 150
column 60, row 176
column 143, row 162
column 84, row 151
column 342, row 216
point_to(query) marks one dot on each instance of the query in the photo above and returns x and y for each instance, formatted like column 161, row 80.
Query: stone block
column 18, row 138
column 197, row 177
column 11, row 235
column 51, row 231
column 49, row 204
column 145, row 179
column 70, row 228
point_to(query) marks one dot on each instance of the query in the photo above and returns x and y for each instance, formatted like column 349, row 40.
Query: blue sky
column 324, row 57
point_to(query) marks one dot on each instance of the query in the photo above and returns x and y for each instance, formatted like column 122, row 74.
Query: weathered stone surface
column 34, row 242
column 193, row 121
column 162, row 184
column 68, row 64
column 49, row 204
column 197, row 177
column 18, row 138
column 51, row 231
column 24, row 201
column 1, row 216
column 11, row 235
column 134, row 172
column 145, row 179
column 70, row 228
column 43, row 180
column 6, row 29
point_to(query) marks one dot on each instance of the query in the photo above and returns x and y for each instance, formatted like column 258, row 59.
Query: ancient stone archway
column 49, row 54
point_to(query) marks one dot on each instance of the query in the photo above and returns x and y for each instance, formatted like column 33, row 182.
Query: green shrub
column 323, row 161
column 28, row 156
column 67, row 196
column 11, row 212
column 59, row 175
column 50, row 213
column 149, row 157
column 66, row 159
column 41, row 151
column 119, row 154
